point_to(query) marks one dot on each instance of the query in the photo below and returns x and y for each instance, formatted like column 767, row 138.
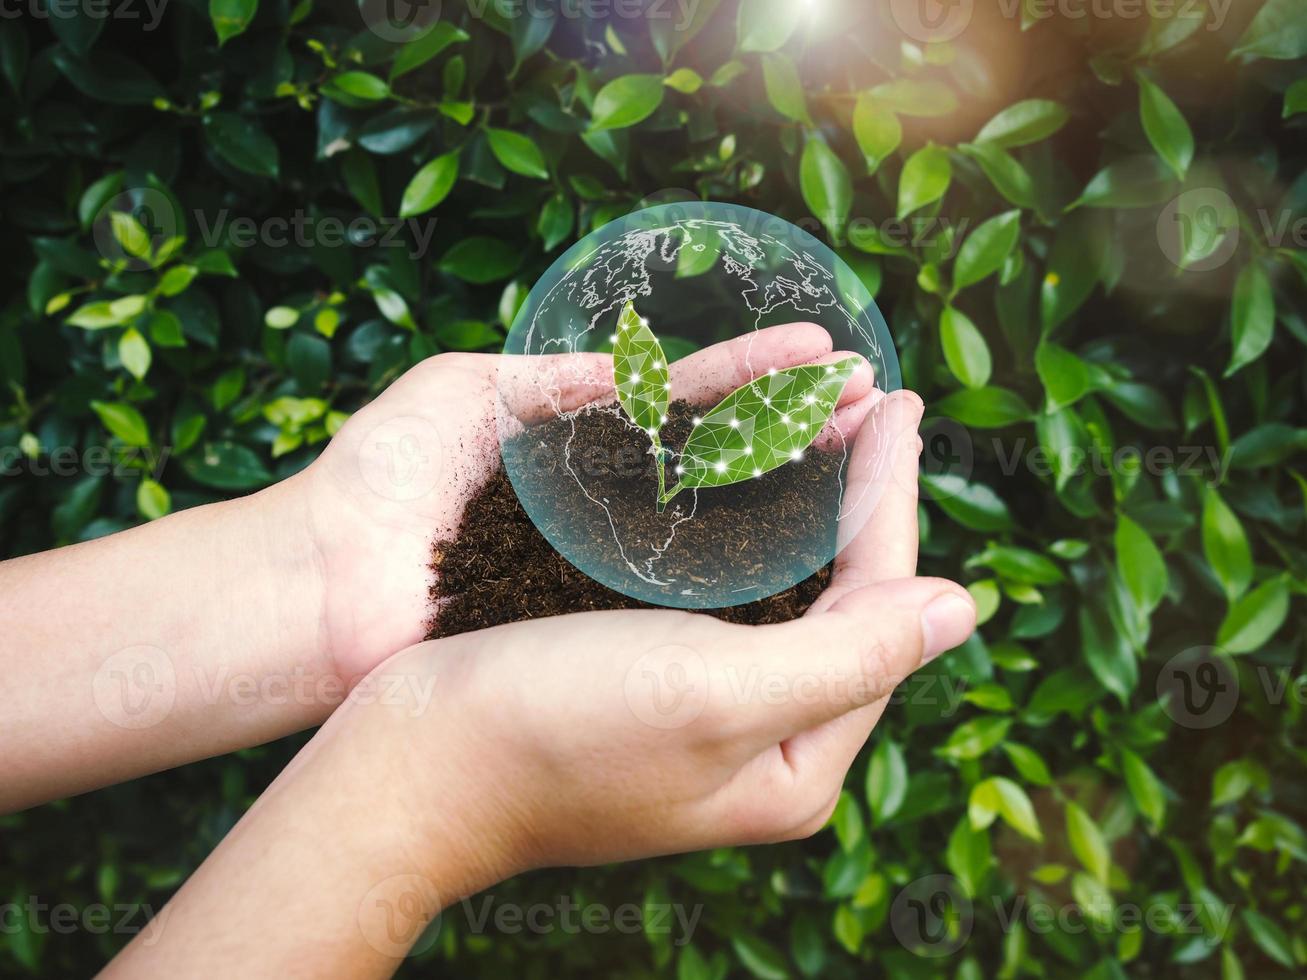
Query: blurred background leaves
column 228, row 225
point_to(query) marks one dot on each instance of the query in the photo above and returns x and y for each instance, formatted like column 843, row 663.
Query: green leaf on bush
column 1024, row 122
column 1165, row 126
column 241, row 142
column 877, row 130
column 965, row 350
column 1254, row 618
column 1087, row 842
column 231, row 17
column 227, row 466
column 1252, row 316
column 626, row 101
column 986, row 248
column 517, row 152
column 826, row 184
column 990, row 407
column 785, row 88
column 1277, row 31
column 999, row 796
column 123, row 421
column 765, row 25
column 430, row 185
column 887, row 780
column 1225, row 545
column 924, row 180
column 481, row 259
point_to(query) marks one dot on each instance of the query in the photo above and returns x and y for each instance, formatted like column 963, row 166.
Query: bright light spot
column 719, row 466
column 796, row 455
column 748, row 450
column 696, row 421
column 635, row 377
column 657, row 365
column 667, row 386
column 785, row 419
column 680, row 470
column 766, row 401
column 803, row 426
column 771, row 370
column 653, row 431
column 809, row 399
column 644, row 322
column 830, row 370
column 612, row 338
column 735, row 423
column 663, row 419
column 757, row 472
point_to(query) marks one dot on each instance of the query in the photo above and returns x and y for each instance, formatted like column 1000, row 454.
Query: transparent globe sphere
column 686, row 390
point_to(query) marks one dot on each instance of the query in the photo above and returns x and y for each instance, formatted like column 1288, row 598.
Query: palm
column 399, row 474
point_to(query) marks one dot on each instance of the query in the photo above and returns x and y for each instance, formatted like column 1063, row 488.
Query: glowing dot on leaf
column 719, row 466
column 696, row 421
column 766, row 401
column 735, row 423
column 680, row 471
column 771, row 370
column 803, row 426
column 612, row 338
column 652, row 432
column 635, row 378
column 667, row 386
column 796, row 455
column 757, row 472
column 663, row 419
column 830, row 370
column 785, row 419
column 748, row 450
column 809, row 399
column 657, row 365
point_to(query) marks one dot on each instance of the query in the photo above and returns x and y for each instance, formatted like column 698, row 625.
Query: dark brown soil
column 501, row 569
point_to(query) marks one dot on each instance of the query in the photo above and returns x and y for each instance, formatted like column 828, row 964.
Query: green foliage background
column 1062, row 325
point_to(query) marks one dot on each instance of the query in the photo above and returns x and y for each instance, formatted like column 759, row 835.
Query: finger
column 539, row 387
column 877, row 538
column 713, row 372
column 838, row 434
column 862, row 647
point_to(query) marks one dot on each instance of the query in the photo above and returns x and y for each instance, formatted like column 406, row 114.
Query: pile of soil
column 501, row 569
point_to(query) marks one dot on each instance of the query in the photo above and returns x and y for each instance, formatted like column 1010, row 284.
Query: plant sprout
column 755, row 429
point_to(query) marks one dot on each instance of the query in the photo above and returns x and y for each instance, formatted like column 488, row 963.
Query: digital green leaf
column 640, row 372
column 765, row 424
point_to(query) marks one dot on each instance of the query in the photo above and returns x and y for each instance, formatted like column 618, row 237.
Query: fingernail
column 945, row 623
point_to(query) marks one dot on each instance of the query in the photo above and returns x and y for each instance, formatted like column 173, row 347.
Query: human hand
column 616, row 735
column 400, row 473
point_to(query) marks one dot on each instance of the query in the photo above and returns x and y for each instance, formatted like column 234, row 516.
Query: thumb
column 863, row 646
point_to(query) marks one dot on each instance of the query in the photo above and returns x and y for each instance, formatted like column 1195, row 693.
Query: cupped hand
column 399, row 474
column 609, row 736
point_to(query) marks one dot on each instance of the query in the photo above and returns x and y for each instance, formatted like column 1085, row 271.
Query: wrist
column 416, row 706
